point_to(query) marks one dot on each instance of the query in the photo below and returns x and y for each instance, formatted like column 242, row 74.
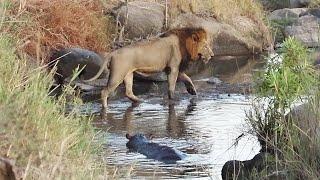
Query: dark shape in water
column 243, row 169
column 139, row 143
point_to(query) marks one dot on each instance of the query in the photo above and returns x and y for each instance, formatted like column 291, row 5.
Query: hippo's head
column 136, row 141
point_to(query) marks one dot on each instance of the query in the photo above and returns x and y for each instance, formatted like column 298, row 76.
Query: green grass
column 278, row 90
column 34, row 131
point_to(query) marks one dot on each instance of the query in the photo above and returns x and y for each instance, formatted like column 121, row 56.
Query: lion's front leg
column 188, row 83
column 172, row 79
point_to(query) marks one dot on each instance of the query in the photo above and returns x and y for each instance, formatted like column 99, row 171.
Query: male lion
column 171, row 52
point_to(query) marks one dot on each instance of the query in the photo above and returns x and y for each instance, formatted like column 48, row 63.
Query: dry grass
column 50, row 24
column 314, row 4
column 231, row 12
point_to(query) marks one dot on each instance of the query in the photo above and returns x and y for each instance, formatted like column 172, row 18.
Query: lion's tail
column 102, row 69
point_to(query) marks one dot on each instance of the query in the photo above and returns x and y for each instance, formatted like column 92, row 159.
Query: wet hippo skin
column 139, row 143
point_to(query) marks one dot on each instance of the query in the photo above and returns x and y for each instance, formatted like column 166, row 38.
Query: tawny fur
column 170, row 52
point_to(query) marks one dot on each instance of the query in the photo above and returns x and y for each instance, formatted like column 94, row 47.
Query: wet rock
column 139, row 143
column 306, row 30
column 68, row 60
column 224, row 38
column 7, row 169
column 144, row 18
column 243, row 169
column 214, row 80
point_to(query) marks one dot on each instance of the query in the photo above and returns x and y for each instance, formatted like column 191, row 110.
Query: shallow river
column 204, row 127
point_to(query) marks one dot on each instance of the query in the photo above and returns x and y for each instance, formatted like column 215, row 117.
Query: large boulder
column 280, row 4
column 286, row 15
column 226, row 40
column 300, row 23
column 305, row 30
column 144, row 18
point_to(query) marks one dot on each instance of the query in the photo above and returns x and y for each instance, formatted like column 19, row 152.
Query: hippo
column 235, row 169
column 71, row 58
column 139, row 143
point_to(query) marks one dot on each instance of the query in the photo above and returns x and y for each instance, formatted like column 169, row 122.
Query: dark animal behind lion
column 139, row 143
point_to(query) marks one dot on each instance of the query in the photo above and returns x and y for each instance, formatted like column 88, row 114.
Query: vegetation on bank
column 44, row 25
column 34, row 131
column 293, row 139
column 44, row 142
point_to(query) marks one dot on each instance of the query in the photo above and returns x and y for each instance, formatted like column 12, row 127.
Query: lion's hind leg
column 128, row 81
column 115, row 79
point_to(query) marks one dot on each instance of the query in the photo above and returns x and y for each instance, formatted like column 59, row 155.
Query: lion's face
column 198, row 47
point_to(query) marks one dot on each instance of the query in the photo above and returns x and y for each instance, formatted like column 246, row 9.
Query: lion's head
column 193, row 43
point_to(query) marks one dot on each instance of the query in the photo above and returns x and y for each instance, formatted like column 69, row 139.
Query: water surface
column 204, row 127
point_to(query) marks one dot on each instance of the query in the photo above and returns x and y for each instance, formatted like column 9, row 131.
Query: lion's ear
column 195, row 37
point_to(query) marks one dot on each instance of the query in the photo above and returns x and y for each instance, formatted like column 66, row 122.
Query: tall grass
column 49, row 24
column 34, row 131
column 292, row 138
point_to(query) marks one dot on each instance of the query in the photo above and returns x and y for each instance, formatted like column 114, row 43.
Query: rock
column 144, row 18
column 243, row 169
column 225, row 39
column 299, row 3
column 273, row 5
column 305, row 30
column 7, row 170
column 71, row 58
column 214, row 80
column 280, row 4
column 300, row 23
column 286, row 15
column 313, row 12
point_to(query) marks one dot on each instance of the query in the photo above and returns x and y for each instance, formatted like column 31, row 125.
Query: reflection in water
column 204, row 127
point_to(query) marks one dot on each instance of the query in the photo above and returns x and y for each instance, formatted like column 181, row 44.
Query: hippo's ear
column 128, row 136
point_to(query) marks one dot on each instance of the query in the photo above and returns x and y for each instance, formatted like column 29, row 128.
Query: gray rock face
column 280, row 4
column 287, row 14
column 300, row 23
column 299, row 3
column 225, row 39
column 306, row 30
column 144, row 18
